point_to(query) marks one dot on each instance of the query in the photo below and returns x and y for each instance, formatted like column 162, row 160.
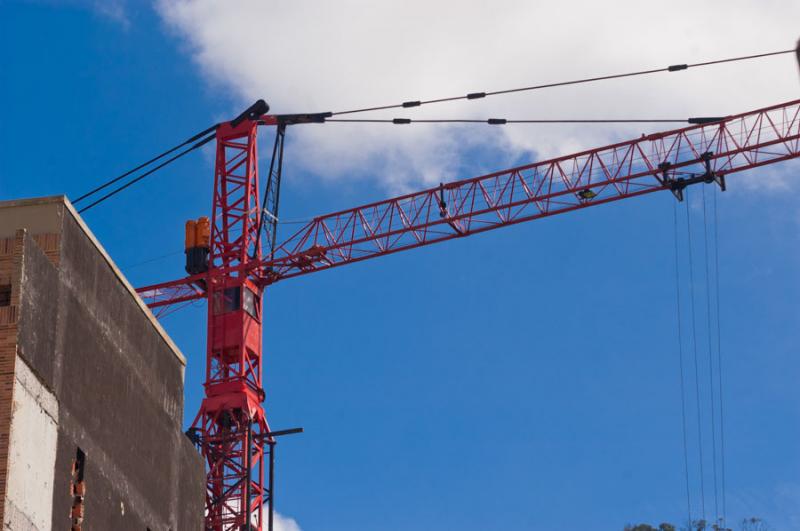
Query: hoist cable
column 145, row 164
column 719, row 360
column 696, row 365
column 710, row 358
column 480, row 95
column 680, row 363
column 191, row 148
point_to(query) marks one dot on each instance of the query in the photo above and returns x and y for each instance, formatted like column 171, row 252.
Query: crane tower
column 233, row 257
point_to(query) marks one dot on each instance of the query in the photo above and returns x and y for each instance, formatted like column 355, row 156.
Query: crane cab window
column 231, row 299
column 251, row 303
column 227, row 300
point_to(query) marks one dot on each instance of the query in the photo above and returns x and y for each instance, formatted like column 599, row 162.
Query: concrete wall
column 10, row 273
column 32, row 453
column 91, row 348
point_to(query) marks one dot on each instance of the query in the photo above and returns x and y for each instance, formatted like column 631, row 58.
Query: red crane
column 233, row 265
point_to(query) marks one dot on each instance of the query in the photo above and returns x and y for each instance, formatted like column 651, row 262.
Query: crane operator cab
column 198, row 236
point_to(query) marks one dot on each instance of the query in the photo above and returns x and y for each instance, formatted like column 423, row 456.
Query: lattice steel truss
column 231, row 428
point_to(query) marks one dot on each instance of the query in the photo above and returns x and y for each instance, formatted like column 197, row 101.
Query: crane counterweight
column 196, row 245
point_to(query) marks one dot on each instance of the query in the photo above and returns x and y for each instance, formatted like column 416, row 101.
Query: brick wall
column 11, row 257
column 74, row 323
column 10, row 272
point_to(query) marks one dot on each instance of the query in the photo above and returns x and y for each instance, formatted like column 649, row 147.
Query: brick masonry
column 10, row 273
column 86, row 341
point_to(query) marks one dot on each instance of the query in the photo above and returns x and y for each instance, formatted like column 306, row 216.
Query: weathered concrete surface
column 42, row 221
column 11, row 254
column 32, row 453
column 117, row 378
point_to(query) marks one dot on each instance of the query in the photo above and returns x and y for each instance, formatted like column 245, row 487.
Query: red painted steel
column 231, row 426
column 457, row 209
column 231, row 418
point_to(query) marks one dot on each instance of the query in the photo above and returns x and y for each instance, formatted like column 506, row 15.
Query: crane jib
column 668, row 160
column 233, row 269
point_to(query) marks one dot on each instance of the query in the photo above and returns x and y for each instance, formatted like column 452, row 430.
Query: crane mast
column 231, row 428
column 231, row 413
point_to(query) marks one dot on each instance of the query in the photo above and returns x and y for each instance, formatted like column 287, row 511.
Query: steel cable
column 696, row 365
column 719, row 361
column 680, row 363
column 201, row 143
column 480, row 95
column 710, row 358
column 144, row 164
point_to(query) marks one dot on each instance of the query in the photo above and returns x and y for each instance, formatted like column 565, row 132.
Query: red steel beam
column 592, row 177
column 470, row 206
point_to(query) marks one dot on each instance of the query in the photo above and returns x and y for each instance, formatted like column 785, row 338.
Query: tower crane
column 234, row 256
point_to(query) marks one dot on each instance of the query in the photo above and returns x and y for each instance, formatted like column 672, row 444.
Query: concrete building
column 91, row 388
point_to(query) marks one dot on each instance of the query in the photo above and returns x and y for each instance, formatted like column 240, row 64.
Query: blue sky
column 521, row 379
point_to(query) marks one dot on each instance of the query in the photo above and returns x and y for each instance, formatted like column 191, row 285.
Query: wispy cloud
column 787, row 500
column 778, row 506
column 280, row 522
column 773, row 179
column 322, row 56
column 284, row 523
column 115, row 10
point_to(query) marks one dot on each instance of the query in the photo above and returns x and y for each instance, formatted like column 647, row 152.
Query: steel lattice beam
column 636, row 167
column 231, row 427
column 457, row 209
column 231, row 419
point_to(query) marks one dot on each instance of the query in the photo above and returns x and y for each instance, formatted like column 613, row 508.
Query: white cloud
column 320, row 56
column 280, row 522
column 284, row 523
column 112, row 9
